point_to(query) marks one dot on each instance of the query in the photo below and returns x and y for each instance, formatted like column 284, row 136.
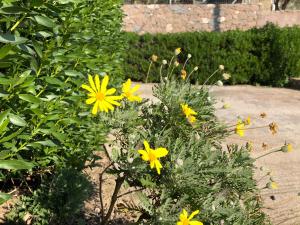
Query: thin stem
column 185, row 63
column 160, row 73
column 170, row 63
column 278, row 150
column 18, row 22
column 209, row 78
column 129, row 192
column 114, row 198
column 148, row 72
column 190, row 74
column 100, row 189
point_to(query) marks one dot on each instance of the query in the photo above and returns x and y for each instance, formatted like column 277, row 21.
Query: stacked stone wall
column 210, row 17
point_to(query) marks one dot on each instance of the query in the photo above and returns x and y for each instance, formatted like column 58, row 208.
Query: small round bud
column 176, row 63
column 226, row 76
column 219, row 83
column 196, row 68
column 221, row 67
column 154, row 58
column 189, row 56
column 164, row 62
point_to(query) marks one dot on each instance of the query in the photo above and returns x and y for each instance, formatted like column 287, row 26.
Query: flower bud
column 221, row 67
column 177, row 51
column 226, row 76
column 189, row 56
column 219, row 83
column 154, row 58
column 196, row 68
column 287, row 148
column 164, row 62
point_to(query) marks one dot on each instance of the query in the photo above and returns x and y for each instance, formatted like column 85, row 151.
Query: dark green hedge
column 267, row 56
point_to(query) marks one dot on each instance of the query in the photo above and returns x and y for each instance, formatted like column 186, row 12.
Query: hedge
column 266, row 56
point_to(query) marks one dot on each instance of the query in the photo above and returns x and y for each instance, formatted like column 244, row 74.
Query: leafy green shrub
column 268, row 55
column 58, row 200
column 46, row 50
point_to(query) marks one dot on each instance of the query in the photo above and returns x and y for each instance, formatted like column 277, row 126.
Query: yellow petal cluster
column 129, row 92
column 102, row 97
column 184, row 219
column 177, row 51
column 189, row 113
column 183, row 74
column 240, row 128
column 152, row 155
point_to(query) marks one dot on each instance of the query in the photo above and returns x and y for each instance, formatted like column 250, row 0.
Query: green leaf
column 47, row 143
column 17, row 120
column 13, row 39
column 4, row 197
column 13, row 10
column 45, row 21
column 4, row 125
column 4, row 51
column 11, row 136
column 5, row 154
column 44, row 34
column 73, row 73
column 5, row 81
column 15, row 164
column 37, row 48
column 29, row 98
column 53, row 80
column 3, row 116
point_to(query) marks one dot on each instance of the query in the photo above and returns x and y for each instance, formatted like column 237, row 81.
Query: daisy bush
column 169, row 153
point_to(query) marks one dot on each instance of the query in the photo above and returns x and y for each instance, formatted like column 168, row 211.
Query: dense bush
column 46, row 50
column 267, row 56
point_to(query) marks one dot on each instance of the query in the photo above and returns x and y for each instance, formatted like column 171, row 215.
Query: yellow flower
column 247, row 121
column 185, row 220
column 183, row 74
column 128, row 92
column 100, row 95
column 272, row 185
column 189, row 113
column 177, row 51
column 152, row 155
column 273, row 127
column 154, row 58
column 226, row 106
column 287, row 148
column 240, row 128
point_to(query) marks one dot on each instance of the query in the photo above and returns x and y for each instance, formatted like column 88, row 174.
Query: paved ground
column 283, row 107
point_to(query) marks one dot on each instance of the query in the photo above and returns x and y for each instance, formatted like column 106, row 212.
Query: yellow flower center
column 127, row 94
column 152, row 156
column 185, row 222
column 100, row 96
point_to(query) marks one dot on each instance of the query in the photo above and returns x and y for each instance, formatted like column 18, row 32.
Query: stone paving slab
column 283, row 107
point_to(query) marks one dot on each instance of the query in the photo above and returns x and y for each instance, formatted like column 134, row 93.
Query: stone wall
column 210, row 17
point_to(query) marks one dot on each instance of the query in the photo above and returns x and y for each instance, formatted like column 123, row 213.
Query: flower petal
column 110, row 91
column 97, row 82
column 90, row 101
column 101, row 106
column 126, row 86
column 152, row 164
column 144, row 154
column 183, row 215
column 158, row 166
column 160, row 152
column 108, row 105
column 88, row 88
column 109, row 100
column 95, row 108
column 193, row 214
column 135, row 88
column 135, row 98
column 104, row 84
column 179, row 223
column 92, row 83
column 147, row 146
column 195, row 223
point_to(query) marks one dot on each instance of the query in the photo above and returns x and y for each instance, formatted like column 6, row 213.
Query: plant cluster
column 267, row 55
column 169, row 152
column 46, row 48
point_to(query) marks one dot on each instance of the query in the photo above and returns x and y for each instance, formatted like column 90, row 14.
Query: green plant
column 46, row 50
column 169, row 153
column 267, row 55
column 57, row 201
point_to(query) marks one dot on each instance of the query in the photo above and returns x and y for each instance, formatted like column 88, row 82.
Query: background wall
column 185, row 18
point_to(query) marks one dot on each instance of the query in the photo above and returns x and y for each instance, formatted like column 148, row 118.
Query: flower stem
column 148, row 72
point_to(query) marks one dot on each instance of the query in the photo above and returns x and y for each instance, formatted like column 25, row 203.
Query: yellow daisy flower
column 177, row 51
column 152, row 155
column 185, row 220
column 100, row 95
column 240, row 128
column 189, row 113
column 247, row 121
column 128, row 92
column 183, row 74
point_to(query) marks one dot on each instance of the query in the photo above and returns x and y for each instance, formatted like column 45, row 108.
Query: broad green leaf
column 5, row 81
column 13, row 39
column 37, row 48
column 44, row 34
column 5, row 154
column 11, row 136
column 29, row 98
column 45, row 21
column 4, row 125
column 3, row 116
column 47, row 143
column 4, row 51
column 17, row 120
column 13, row 10
column 26, row 49
column 15, row 164
column 73, row 73
column 4, row 197
column 53, row 80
